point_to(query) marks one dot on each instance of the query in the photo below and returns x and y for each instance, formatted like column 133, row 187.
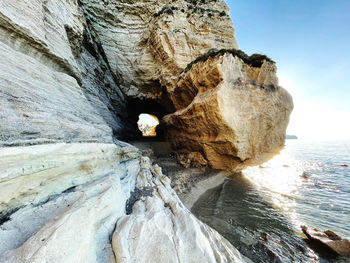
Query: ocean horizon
column 308, row 183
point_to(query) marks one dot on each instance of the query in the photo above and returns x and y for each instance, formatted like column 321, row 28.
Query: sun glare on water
column 278, row 180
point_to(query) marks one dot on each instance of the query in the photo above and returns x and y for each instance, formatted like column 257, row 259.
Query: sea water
column 260, row 211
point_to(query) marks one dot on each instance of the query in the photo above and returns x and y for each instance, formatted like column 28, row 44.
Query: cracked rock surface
column 229, row 114
column 88, row 222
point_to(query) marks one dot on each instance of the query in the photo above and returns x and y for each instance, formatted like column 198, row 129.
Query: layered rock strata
column 148, row 43
column 230, row 111
column 52, row 88
column 69, row 203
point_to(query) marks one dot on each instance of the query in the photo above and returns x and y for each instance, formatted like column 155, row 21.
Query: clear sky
column 310, row 41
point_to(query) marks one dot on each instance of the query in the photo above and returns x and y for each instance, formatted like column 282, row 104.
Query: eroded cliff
column 148, row 43
column 74, row 75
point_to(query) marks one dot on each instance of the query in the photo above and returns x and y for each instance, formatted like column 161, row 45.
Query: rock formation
column 148, row 48
column 65, row 201
column 52, row 89
column 230, row 111
column 148, row 43
column 74, row 76
column 328, row 239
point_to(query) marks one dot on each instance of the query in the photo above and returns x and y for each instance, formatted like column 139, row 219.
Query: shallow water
column 260, row 211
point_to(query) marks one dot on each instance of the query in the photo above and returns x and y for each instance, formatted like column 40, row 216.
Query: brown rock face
column 229, row 112
column 329, row 239
column 147, row 43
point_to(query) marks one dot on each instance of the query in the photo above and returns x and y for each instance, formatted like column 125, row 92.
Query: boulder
column 230, row 111
column 328, row 239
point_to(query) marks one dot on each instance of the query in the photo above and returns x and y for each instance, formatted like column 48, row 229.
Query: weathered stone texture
column 69, row 71
column 47, row 90
column 148, row 43
column 71, row 198
column 229, row 113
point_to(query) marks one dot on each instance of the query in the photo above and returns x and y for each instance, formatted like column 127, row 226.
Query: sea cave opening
column 144, row 119
column 147, row 124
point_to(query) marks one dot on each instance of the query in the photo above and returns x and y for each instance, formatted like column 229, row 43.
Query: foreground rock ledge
column 68, row 204
column 229, row 114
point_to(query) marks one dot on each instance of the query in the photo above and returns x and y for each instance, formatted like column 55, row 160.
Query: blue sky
column 310, row 41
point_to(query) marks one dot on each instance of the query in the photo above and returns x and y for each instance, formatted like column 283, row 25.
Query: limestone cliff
column 148, row 43
column 52, row 88
column 74, row 75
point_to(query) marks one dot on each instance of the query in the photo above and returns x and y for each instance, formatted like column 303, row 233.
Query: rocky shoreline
column 74, row 77
column 159, row 219
column 189, row 183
